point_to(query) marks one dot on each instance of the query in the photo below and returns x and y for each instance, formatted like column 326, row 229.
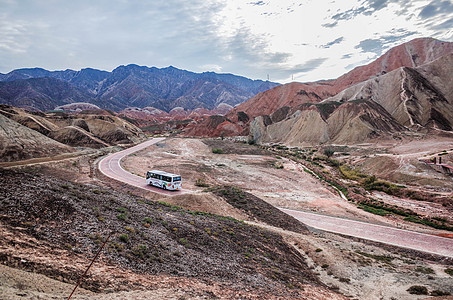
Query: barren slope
column 19, row 142
column 411, row 54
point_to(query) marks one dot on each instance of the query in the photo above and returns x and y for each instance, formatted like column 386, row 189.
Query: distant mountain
column 127, row 86
column 413, row 54
column 41, row 93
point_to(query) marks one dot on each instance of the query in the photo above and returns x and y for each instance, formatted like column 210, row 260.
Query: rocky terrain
column 428, row 57
column 27, row 135
column 126, row 86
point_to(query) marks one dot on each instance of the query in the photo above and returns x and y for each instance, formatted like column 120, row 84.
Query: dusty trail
column 110, row 166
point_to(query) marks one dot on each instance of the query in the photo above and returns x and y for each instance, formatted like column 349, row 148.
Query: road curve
column 110, row 166
column 387, row 235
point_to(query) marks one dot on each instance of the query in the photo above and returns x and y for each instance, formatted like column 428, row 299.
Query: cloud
column 336, row 41
column 349, row 14
column 377, row 46
column 308, row 66
column 371, row 45
column 366, row 7
column 257, row 3
column 330, row 25
column 346, row 56
column 445, row 25
column 377, row 4
column 436, row 7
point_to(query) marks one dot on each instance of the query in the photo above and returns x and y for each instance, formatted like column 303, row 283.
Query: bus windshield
column 177, row 178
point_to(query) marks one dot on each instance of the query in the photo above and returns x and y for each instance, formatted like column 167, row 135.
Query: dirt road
column 110, row 166
column 383, row 234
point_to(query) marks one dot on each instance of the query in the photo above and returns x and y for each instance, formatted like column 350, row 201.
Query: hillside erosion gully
column 110, row 167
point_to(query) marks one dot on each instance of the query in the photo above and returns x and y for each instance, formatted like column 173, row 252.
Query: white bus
column 164, row 180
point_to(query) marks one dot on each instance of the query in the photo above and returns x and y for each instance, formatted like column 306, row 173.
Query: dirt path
column 43, row 160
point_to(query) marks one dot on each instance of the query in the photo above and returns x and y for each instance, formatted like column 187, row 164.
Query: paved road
column 110, row 166
column 387, row 235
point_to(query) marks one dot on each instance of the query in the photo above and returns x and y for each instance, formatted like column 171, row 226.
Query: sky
column 282, row 40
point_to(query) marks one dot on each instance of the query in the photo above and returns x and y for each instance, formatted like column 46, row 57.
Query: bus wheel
column 164, row 187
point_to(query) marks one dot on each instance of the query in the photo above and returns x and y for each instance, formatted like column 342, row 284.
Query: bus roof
column 164, row 173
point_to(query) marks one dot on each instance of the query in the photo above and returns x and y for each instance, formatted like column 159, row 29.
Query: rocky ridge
column 30, row 135
column 413, row 54
column 403, row 100
column 127, row 86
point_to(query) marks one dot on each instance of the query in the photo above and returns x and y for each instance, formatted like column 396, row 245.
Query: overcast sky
column 305, row 40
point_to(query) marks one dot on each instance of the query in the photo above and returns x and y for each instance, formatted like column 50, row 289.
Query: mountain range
column 126, row 86
column 409, row 88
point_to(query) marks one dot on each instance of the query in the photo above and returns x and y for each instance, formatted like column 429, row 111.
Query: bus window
column 177, row 178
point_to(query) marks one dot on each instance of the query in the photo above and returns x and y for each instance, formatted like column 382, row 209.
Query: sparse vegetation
column 124, row 237
column 418, row 290
column 329, row 152
column 424, row 270
column 438, row 293
column 200, row 182
column 217, row 151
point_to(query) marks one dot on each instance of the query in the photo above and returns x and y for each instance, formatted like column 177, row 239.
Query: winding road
column 110, row 167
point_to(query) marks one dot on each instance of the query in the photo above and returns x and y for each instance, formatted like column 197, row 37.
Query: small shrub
column 278, row 165
column 439, row 293
column 122, row 217
column 325, row 266
column 318, row 250
column 345, row 280
column 201, row 183
column 183, row 242
column 217, row 151
column 449, row 271
column 124, row 237
column 147, row 220
column 424, row 270
column 130, row 229
column 329, row 152
column 140, row 251
column 418, row 290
